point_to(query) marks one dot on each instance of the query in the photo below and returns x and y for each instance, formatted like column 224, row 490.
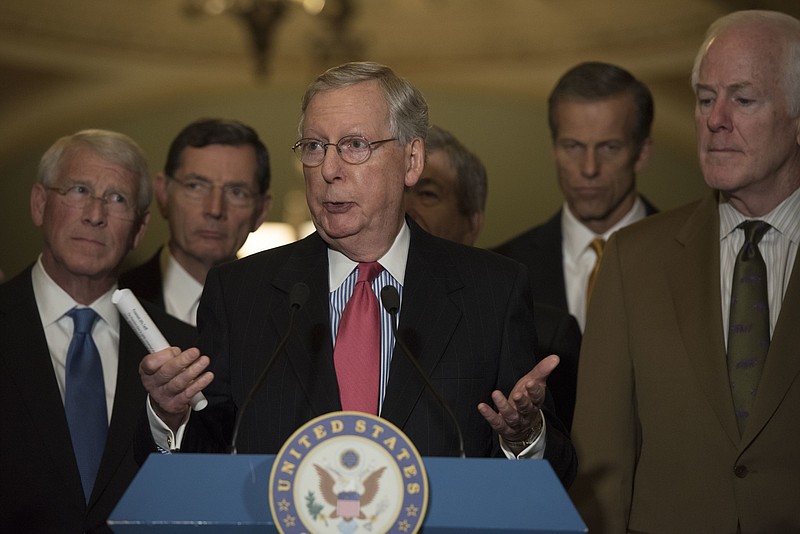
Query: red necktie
column 358, row 345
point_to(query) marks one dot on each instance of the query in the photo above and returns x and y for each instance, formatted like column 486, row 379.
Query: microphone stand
column 297, row 298
column 391, row 302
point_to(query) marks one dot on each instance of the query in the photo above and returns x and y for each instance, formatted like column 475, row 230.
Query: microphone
column 390, row 299
column 297, row 299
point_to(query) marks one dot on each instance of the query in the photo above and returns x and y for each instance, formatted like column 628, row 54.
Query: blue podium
column 220, row 493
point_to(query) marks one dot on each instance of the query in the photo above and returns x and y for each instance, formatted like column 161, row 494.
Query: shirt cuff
column 534, row 451
column 165, row 439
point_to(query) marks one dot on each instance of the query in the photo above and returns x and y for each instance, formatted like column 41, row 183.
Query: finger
column 546, row 366
column 151, row 363
column 493, row 418
column 187, row 375
column 507, row 410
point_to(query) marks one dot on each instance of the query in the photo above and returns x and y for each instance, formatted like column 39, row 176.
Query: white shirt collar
column 577, row 237
column 784, row 218
column 394, row 261
column 53, row 302
column 181, row 290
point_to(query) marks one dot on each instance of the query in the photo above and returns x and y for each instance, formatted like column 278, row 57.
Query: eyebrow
column 200, row 177
column 734, row 86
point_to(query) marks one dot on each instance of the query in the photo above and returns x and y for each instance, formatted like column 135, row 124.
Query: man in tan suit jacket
column 655, row 428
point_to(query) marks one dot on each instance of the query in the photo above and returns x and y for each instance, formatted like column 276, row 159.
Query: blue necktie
column 85, row 398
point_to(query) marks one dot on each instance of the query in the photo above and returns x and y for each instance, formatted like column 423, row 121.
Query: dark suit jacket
column 467, row 314
column 145, row 281
column 655, row 428
column 540, row 250
column 558, row 333
column 41, row 489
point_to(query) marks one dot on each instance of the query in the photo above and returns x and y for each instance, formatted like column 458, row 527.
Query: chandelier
column 262, row 17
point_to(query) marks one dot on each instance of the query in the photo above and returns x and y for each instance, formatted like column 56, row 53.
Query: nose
column 331, row 165
column 719, row 117
column 590, row 165
column 94, row 212
column 215, row 203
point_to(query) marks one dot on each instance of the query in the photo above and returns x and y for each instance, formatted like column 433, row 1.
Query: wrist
column 528, row 439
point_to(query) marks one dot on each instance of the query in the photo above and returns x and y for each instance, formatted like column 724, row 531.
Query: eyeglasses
column 79, row 196
column 353, row 149
column 199, row 190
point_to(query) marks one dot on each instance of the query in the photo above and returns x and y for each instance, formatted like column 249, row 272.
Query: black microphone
column 297, row 299
column 391, row 303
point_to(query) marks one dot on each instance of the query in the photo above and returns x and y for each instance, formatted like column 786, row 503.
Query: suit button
column 740, row 471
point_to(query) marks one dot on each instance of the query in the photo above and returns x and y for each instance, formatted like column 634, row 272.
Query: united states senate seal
column 348, row 473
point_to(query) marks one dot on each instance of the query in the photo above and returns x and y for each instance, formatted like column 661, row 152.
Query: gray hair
column 111, row 146
column 786, row 25
column 471, row 181
column 408, row 111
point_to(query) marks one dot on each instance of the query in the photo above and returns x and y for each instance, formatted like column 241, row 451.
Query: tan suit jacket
column 657, row 441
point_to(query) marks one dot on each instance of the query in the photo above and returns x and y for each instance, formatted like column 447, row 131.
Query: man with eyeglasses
column 465, row 313
column 213, row 191
column 69, row 416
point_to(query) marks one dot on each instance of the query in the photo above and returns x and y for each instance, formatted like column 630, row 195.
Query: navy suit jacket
column 41, row 489
column 466, row 313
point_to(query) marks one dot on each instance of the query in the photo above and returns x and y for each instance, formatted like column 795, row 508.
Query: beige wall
column 508, row 132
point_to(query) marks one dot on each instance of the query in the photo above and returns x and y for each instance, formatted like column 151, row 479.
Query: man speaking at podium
column 465, row 313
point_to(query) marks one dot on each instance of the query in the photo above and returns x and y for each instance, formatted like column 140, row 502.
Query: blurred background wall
column 148, row 67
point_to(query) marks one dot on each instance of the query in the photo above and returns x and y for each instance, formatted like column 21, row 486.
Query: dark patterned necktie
column 85, row 398
column 748, row 330
column 357, row 352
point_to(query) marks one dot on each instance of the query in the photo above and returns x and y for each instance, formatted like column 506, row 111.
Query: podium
column 230, row 493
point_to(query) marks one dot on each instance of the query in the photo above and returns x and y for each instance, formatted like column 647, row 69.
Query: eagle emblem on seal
column 350, row 488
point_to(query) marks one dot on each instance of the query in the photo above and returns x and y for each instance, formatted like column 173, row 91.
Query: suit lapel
column 428, row 318
column 129, row 402
column 310, row 349
column 549, row 285
column 782, row 365
column 695, row 287
column 27, row 358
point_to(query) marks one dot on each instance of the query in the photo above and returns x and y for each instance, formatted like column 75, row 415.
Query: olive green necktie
column 748, row 327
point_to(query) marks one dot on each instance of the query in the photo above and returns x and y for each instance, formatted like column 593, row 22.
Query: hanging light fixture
column 262, row 17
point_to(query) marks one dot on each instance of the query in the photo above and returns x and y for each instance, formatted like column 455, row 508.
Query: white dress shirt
column 181, row 290
column 579, row 256
column 778, row 247
column 53, row 303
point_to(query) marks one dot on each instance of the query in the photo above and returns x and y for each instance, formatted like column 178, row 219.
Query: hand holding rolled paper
column 147, row 331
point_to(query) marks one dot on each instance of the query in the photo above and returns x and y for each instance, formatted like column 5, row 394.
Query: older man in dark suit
column 467, row 314
column 59, row 475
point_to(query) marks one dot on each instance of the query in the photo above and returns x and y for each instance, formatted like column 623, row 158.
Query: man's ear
column 160, row 185
column 475, row 226
column 415, row 153
column 644, row 155
column 261, row 211
column 143, row 221
column 38, row 202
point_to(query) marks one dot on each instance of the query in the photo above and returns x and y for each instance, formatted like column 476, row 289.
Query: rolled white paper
column 149, row 334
